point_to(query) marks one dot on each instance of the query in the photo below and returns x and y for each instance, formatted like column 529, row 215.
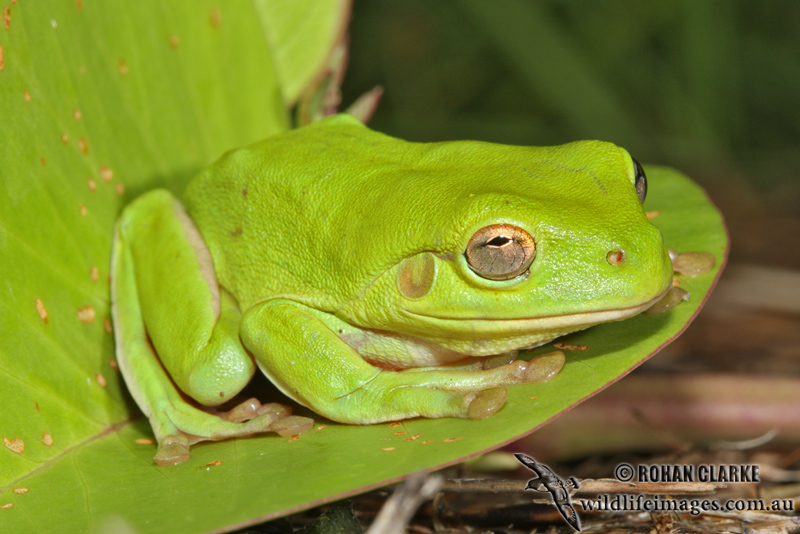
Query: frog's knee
column 153, row 201
column 218, row 381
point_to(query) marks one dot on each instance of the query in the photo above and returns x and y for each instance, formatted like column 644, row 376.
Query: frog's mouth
column 488, row 336
column 540, row 323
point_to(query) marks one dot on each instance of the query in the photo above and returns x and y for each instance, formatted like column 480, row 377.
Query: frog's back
column 278, row 214
column 316, row 213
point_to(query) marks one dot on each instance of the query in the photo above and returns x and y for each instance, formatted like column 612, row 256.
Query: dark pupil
column 498, row 241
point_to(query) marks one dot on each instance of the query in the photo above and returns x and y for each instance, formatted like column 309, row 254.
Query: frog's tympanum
column 372, row 279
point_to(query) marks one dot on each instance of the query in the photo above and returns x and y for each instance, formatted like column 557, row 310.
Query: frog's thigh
column 308, row 362
column 192, row 324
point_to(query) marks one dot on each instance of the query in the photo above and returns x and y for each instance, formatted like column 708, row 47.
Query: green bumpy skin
column 336, row 260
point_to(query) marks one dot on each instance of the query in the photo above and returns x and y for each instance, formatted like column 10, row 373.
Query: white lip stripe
column 535, row 324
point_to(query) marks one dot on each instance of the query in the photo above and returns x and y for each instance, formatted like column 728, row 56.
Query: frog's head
column 503, row 248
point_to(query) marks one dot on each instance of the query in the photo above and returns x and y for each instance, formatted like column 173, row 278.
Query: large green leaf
column 95, row 99
column 145, row 94
column 301, row 34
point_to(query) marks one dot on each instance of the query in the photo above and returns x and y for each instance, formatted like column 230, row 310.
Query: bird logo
column 547, row 481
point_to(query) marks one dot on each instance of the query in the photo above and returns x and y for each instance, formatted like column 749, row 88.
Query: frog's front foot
column 446, row 391
column 181, row 425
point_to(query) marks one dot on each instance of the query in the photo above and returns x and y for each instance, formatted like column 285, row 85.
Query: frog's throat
column 477, row 328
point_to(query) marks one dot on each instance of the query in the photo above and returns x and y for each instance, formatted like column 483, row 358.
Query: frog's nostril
column 615, row 257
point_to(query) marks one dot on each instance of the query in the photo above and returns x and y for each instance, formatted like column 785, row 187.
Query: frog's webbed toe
column 252, row 408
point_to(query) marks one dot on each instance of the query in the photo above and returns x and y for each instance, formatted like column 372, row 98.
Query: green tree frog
column 372, row 279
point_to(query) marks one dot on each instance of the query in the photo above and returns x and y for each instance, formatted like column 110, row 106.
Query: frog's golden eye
column 639, row 181
column 500, row 251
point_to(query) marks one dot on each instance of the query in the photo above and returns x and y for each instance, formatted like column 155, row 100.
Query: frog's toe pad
column 544, row 367
column 486, row 403
column 172, row 450
column 292, row 425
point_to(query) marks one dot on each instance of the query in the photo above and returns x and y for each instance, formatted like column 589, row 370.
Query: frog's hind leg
column 192, row 332
column 192, row 323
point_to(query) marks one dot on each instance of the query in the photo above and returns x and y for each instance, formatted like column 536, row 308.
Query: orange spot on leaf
column 14, row 445
column 100, row 380
column 47, row 439
column 41, row 310
column 20, row 491
column 86, row 314
column 83, row 146
column 92, row 185
column 106, row 173
column 107, row 325
column 215, row 18
column 145, row 441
